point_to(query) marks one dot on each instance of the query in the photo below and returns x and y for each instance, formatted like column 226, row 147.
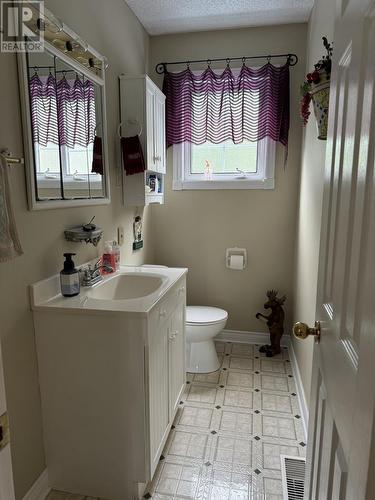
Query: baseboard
column 263, row 338
column 39, row 489
column 300, row 390
column 249, row 337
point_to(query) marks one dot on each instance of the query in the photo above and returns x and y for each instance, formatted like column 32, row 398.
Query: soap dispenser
column 69, row 277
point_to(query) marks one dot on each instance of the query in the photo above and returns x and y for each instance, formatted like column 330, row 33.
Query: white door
column 159, row 130
column 6, row 475
column 150, row 127
column 341, row 453
column 176, row 354
column 158, row 391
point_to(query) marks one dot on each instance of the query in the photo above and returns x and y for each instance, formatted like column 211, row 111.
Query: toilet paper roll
column 236, row 262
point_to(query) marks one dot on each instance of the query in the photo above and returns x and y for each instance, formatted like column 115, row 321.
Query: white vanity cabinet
column 142, row 109
column 110, row 383
column 166, row 379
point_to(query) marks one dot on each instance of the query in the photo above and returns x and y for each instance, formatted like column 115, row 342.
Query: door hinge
column 4, row 431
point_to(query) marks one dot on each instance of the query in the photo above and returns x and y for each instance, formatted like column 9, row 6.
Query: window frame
column 94, row 180
column 263, row 178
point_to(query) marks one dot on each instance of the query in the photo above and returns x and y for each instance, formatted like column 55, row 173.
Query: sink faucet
column 91, row 275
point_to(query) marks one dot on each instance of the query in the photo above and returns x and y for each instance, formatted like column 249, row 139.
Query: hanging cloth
column 10, row 246
column 250, row 105
column 132, row 155
column 43, row 105
column 76, row 112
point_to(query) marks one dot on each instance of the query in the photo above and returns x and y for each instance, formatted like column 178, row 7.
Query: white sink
column 131, row 289
column 126, row 286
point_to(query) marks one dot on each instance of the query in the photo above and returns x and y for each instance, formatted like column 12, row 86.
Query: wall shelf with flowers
column 315, row 88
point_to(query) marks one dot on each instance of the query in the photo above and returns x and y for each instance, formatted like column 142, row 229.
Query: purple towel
column 97, row 156
column 132, row 155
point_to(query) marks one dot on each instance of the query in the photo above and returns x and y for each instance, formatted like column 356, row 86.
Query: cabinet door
column 150, row 128
column 159, row 132
column 158, row 392
column 176, row 354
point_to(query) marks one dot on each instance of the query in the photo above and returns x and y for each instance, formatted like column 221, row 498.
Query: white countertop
column 46, row 294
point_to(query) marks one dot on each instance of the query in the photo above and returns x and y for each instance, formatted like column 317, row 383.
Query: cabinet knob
column 173, row 334
column 163, row 313
column 181, row 289
column 157, row 158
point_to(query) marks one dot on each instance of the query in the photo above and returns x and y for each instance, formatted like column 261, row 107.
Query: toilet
column 202, row 325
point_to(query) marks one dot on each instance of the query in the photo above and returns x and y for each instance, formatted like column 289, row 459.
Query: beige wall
column 194, row 228
column 310, row 203
column 116, row 33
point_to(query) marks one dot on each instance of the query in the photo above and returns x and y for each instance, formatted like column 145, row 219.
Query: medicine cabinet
column 142, row 108
column 63, row 102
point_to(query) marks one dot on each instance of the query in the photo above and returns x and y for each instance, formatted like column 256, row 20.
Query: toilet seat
column 204, row 315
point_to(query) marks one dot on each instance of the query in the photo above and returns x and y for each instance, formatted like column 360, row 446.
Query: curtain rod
column 36, row 68
column 292, row 60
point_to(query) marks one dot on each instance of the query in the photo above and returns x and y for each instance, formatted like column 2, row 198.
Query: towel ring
column 10, row 159
column 131, row 122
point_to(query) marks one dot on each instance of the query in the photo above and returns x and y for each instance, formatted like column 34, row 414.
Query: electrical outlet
column 120, row 235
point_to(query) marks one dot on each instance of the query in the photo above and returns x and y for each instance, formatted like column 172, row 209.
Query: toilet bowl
column 202, row 325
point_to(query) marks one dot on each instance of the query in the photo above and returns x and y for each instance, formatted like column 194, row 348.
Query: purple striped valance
column 62, row 112
column 250, row 104
column 43, row 105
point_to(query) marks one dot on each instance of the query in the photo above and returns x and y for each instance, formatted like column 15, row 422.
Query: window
column 48, row 156
column 222, row 159
column 248, row 165
column 240, row 113
column 64, row 127
column 75, row 161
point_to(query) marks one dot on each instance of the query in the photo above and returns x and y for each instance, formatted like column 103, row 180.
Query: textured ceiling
column 176, row 16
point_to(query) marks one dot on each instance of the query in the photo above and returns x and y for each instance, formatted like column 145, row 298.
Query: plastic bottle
column 152, row 182
column 116, row 252
column 156, row 184
column 69, row 277
column 108, row 258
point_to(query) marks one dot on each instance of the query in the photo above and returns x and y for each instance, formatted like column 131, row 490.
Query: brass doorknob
column 302, row 331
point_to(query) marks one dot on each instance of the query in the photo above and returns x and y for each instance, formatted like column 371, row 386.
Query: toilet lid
column 205, row 314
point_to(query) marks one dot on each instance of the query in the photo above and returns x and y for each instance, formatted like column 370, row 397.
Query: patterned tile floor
column 229, row 432
column 230, row 429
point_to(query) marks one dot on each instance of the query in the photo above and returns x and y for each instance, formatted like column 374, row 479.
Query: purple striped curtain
column 62, row 113
column 44, row 109
column 248, row 105
column 76, row 112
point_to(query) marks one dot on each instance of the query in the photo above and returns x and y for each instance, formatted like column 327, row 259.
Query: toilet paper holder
column 236, row 251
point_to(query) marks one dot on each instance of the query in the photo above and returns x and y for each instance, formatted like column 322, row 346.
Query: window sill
column 224, row 184
column 69, row 183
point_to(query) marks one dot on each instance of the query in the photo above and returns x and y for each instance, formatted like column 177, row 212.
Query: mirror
column 64, row 130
